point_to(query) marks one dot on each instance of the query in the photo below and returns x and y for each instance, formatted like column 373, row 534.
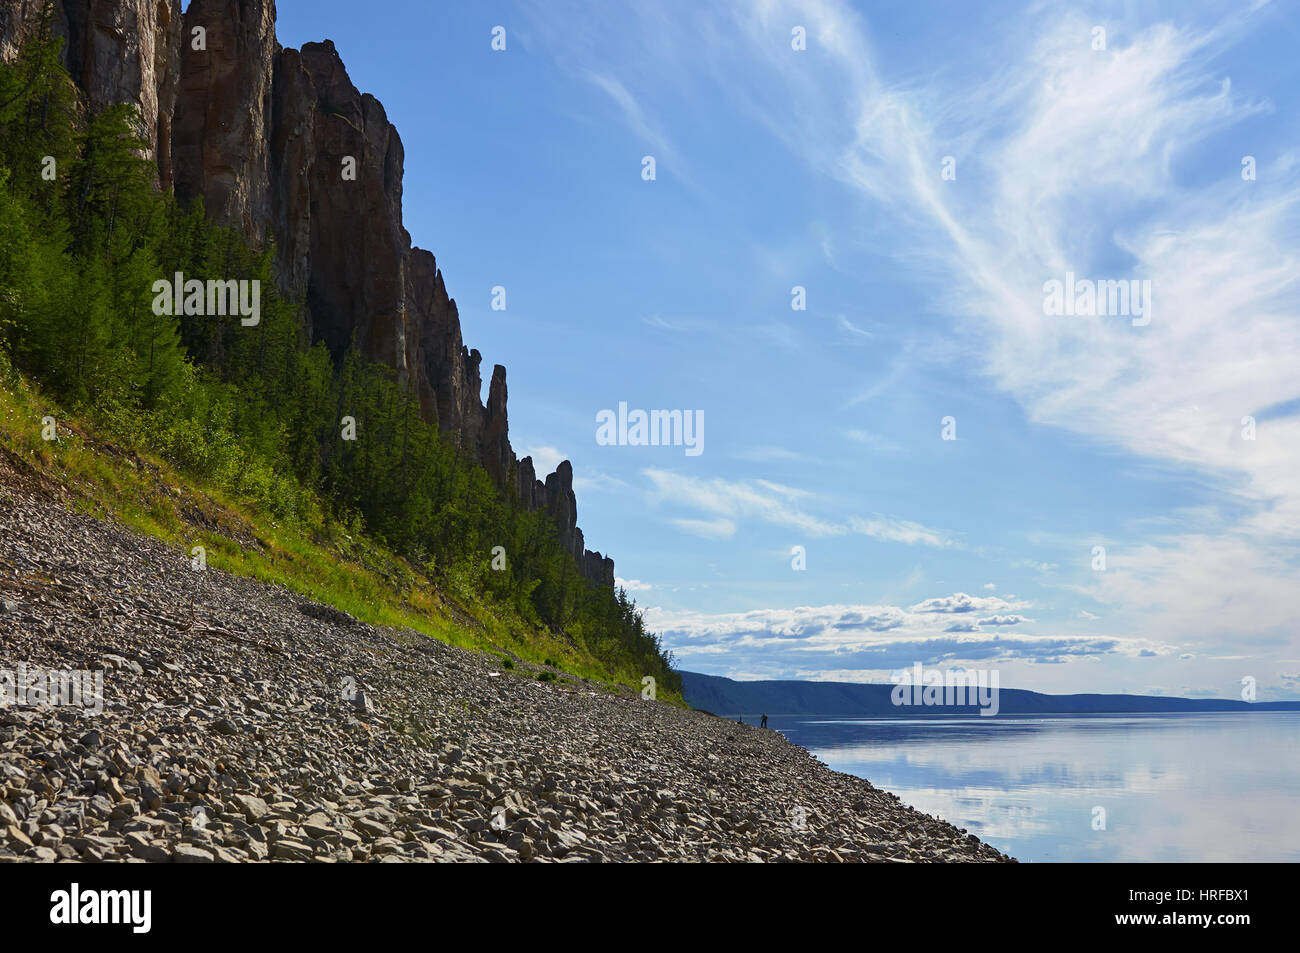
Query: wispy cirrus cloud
column 844, row 324
column 900, row 531
column 872, row 441
column 597, row 481
column 731, row 500
column 631, row 111
column 708, row 529
column 1064, row 135
column 769, row 454
column 777, row 505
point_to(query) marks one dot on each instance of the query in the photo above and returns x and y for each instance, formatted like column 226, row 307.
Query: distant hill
column 725, row 696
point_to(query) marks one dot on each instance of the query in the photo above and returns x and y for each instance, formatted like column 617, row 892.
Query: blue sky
column 823, row 168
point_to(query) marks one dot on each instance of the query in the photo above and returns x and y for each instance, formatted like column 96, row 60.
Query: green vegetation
column 205, row 432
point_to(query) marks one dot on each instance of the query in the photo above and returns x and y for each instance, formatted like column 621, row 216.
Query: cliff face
column 117, row 51
column 223, row 110
column 19, row 21
column 281, row 143
column 321, row 125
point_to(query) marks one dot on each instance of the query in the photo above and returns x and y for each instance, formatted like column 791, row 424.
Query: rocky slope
column 264, row 136
column 241, row 724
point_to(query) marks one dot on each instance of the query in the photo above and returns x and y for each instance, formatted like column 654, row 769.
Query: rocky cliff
column 281, row 143
column 117, row 51
column 220, row 136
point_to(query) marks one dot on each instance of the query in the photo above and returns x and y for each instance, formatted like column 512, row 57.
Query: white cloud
column 872, row 440
column 891, row 635
column 632, row 113
column 731, row 499
column 773, row 503
column 846, row 325
column 961, row 602
column 596, row 480
column 709, row 529
column 770, row 454
column 545, row 459
column 674, row 326
column 1075, row 161
column 901, row 531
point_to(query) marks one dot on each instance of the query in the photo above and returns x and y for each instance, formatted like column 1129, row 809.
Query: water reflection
column 1214, row 787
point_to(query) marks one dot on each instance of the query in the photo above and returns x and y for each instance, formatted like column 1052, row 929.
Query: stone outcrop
column 598, row 568
column 337, row 185
column 494, row 439
column 223, row 111
column 447, row 372
column 342, row 241
column 281, row 143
